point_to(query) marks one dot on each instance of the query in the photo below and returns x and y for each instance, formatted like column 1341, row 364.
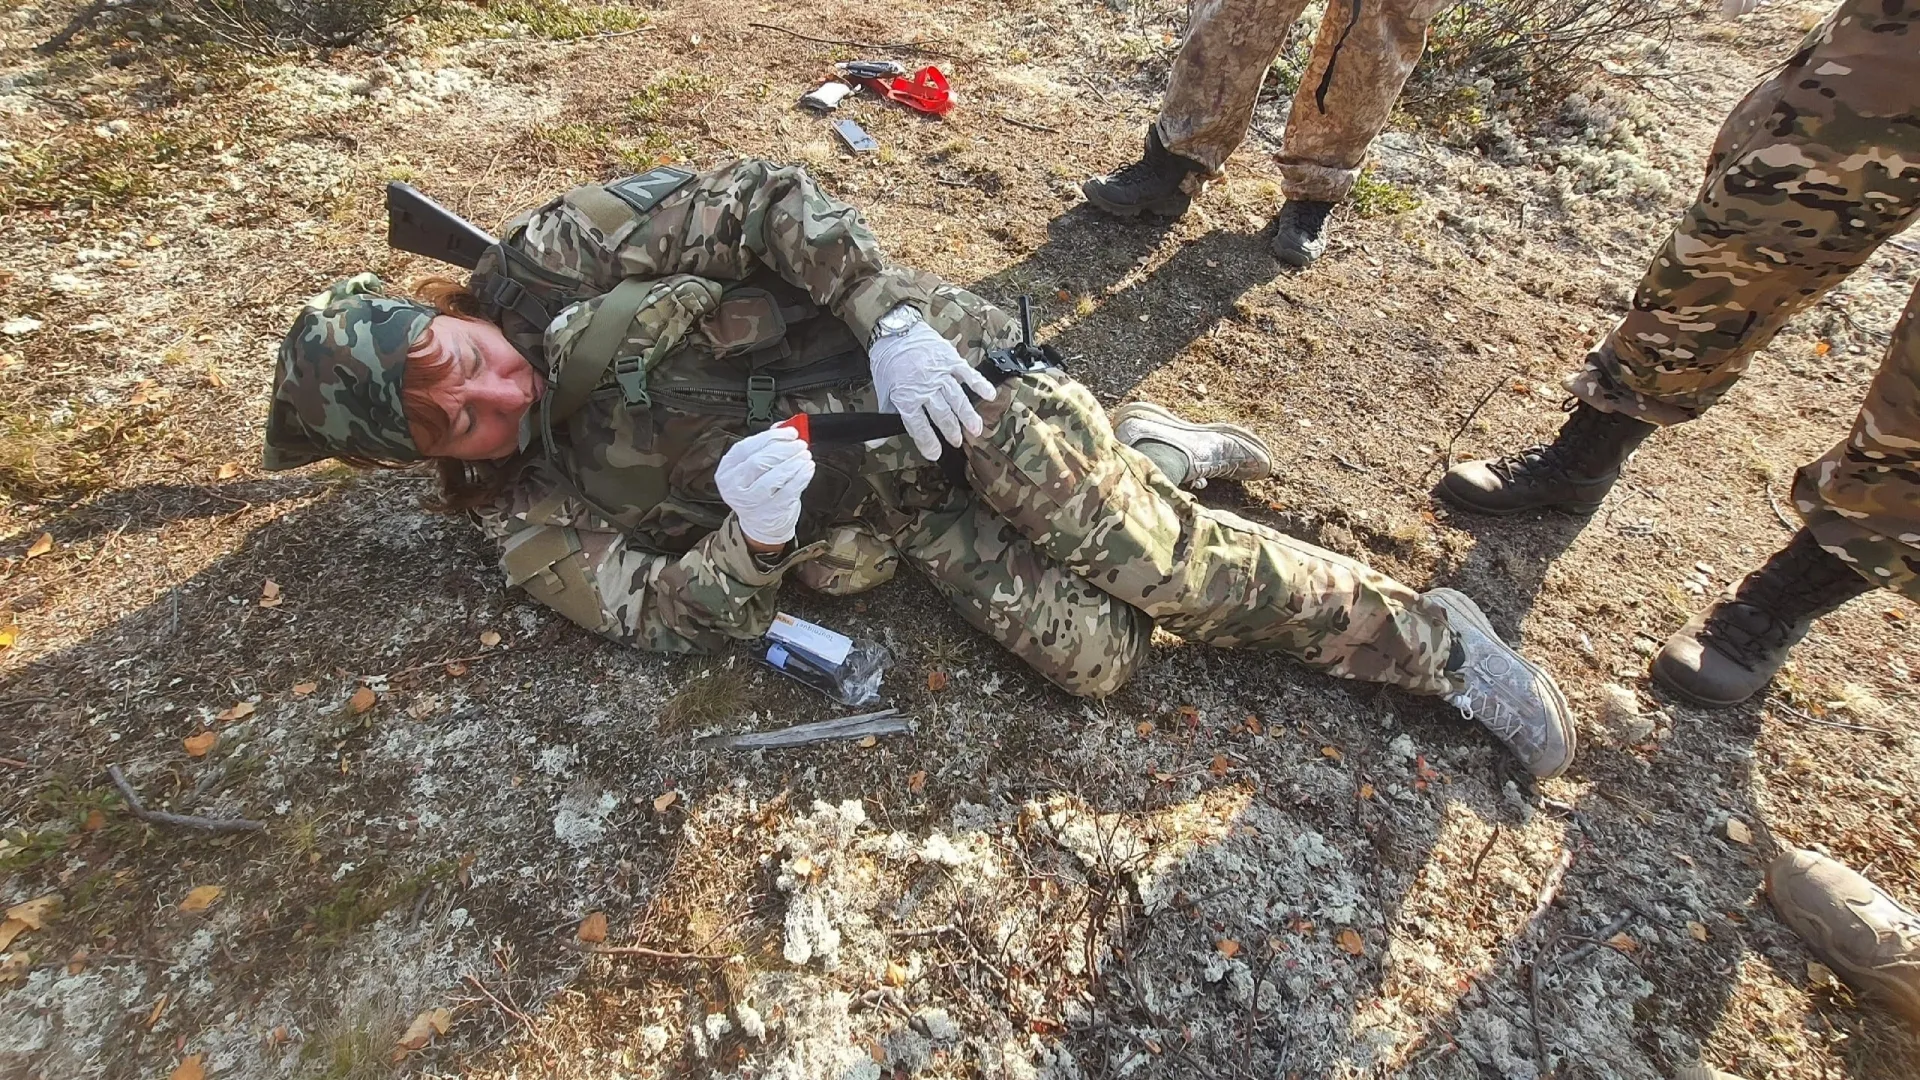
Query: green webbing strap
column 594, row 352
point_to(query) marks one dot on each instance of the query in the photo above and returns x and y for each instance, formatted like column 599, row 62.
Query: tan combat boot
column 1213, row 451
column 1854, row 928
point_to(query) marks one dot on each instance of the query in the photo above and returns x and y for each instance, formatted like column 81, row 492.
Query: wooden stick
column 1601, row 939
column 1005, row 119
column 185, row 821
column 1474, row 877
column 1475, row 411
column 1800, row 716
column 642, row 950
column 884, row 722
column 898, row 46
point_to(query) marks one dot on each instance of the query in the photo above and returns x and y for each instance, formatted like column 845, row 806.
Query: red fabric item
column 925, row 91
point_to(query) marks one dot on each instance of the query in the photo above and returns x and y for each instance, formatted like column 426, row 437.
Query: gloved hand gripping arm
column 920, row 375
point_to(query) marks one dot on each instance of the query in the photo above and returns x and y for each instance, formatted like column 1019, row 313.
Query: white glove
column 1733, row 9
column 919, row 375
column 762, row 478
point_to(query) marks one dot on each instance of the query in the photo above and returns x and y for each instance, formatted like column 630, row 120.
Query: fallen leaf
column 96, row 820
column 37, row 912
column 77, row 963
column 154, row 240
column 198, row 745
column 159, row 1006
column 41, row 546
column 1698, row 930
column 456, row 669
column 593, row 928
column 1152, row 1047
column 1189, row 715
column 1220, row 766
column 1738, row 832
column 214, row 378
column 8, row 635
column 1253, row 724
column 489, row 638
column 201, row 897
column 302, row 689
column 1624, row 942
column 869, row 743
column 9, row 930
column 1143, row 729
column 188, row 1069
column 228, row 471
column 239, row 712
column 917, row 782
column 429, row 1023
column 1821, row 976
column 661, row 802
column 1366, row 791
column 362, row 700
column 15, row 966
column 270, row 594
column 896, row 973
column 1822, row 348
column 423, row 706
column 1062, row 295
column 1228, row 947
column 802, row 868
column 937, row 680
column 1350, row 941
column 1332, row 752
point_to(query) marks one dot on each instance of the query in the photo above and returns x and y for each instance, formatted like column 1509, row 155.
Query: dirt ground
column 1232, row 868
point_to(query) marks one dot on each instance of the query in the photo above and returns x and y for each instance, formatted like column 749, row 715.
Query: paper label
column 826, row 644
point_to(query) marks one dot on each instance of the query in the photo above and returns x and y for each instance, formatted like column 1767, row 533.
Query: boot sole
column 1570, row 509
column 1471, row 613
column 1173, row 206
column 1667, row 683
column 1232, row 431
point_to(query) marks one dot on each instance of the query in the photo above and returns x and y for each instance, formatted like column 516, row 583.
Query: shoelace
column 1745, row 647
column 1311, row 216
column 1550, row 455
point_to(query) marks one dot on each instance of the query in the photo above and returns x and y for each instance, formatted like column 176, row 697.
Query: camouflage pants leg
column 1049, row 465
column 1862, row 498
column 1217, row 75
column 1083, row 640
column 1361, row 59
column 1810, row 174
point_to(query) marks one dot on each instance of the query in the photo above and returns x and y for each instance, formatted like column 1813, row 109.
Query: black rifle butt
column 418, row 224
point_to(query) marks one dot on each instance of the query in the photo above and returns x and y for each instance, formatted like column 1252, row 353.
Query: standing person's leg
column 1861, row 503
column 1810, row 174
column 1361, row 58
column 1049, row 464
column 1209, row 104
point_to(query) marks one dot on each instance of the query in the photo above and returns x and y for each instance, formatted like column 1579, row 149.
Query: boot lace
column 1746, row 646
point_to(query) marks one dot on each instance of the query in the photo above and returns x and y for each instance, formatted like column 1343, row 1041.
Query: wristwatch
column 898, row 321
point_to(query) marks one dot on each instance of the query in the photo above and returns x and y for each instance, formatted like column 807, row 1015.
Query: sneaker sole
column 1471, row 612
column 1158, row 413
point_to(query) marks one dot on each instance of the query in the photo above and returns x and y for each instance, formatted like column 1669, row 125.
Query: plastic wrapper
column 846, row 669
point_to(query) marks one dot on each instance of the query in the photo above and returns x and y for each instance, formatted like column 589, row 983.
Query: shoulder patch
column 645, row 191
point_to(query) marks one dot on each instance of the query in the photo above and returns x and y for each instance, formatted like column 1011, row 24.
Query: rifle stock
column 418, row 224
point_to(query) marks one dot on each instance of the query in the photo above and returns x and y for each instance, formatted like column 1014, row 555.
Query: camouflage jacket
column 671, row 571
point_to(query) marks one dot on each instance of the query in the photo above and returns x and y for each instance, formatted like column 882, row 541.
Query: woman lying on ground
column 600, row 395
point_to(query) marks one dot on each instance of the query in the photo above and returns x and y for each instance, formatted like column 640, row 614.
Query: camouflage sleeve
column 723, row 225
column 583, row 569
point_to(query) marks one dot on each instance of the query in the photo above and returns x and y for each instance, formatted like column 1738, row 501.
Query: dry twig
column 898, row 46
column 185, row 821
column 884, row 722
column 1803, row 717
column 643, row 951
column 1475, row 411
column 1473, row 878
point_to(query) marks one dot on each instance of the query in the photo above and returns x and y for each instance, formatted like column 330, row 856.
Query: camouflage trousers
column 1810, row 174
column 1361, row 58
column 1070, row 547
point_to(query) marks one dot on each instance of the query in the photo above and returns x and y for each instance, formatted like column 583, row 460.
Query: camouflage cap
column 337, row 387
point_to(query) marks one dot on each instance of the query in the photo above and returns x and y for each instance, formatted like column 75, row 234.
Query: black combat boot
column 1729, row 651
column 1573, row 473
column 1155, row 184
column 1300, row 231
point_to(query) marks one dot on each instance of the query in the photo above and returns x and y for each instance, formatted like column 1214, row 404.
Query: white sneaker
column 1514, row 699
column 1213, row 451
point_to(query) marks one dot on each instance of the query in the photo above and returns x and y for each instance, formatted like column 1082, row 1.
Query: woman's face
column 486, row 392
